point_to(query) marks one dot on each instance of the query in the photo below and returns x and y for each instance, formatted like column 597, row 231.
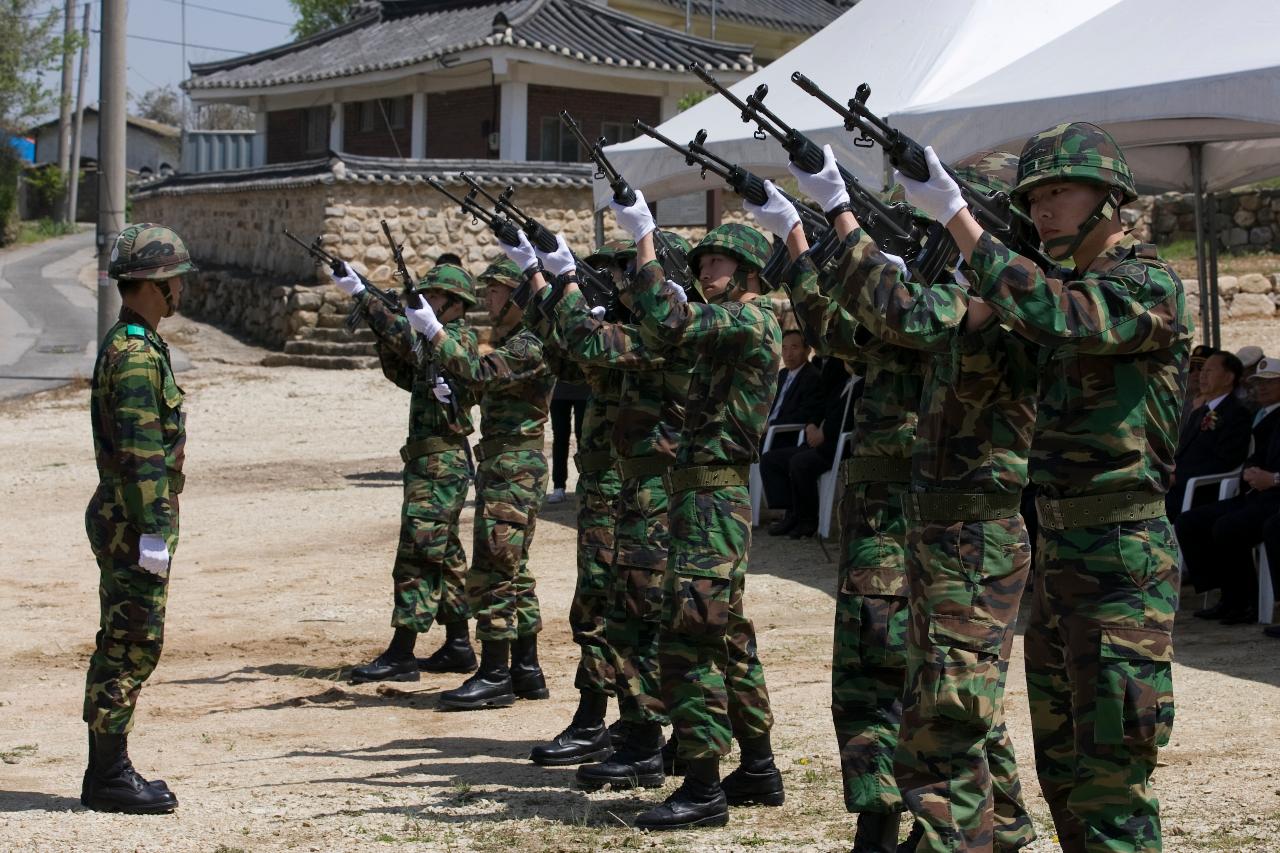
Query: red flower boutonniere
column 1210, row 421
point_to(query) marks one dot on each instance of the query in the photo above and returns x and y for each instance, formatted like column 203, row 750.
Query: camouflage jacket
column 1113, row 368
column 978, row 406
column 139, row 428
column 885, row 416
column 395, row 343
column 736, row 350
column 513, row 382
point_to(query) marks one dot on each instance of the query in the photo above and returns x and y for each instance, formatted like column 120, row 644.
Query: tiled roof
column 349, row 168
column 801, row 15
column 407, row 33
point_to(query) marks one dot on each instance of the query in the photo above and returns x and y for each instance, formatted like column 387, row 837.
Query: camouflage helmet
column 740, row 242
column 993, row 171
column 149, row 251
column 1078, row 151
column 448, row 278
column 680, row 242
column 503, row 271
column 612, row 252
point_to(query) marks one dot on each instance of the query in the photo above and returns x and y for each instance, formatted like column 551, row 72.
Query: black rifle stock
column 995, row 211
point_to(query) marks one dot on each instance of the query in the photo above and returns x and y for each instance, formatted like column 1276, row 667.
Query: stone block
column 1260, row 236
column 1227, row 286
column 1244, row 218
column 1193, row 307
column 305, row 300
column 1251, row 305
column 1237, row 237
column 376, row 254
column 1249, row 201
column 1255, row 283
column 1275, row 282
column 336, row 211
column 351, row 226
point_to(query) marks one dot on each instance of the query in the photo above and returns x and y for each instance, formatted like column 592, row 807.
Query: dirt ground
column 281, row 583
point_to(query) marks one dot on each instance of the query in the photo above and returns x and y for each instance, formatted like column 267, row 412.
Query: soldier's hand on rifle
column 560, row 261
column 521, row 254
column 677, row 291
column 153, row 554
column 776, row 215
column 349, row 281
column 442, row 391
column 598, row 312
column 939, row 197
column 826, row 187
column 423, row 320
column 635, row 218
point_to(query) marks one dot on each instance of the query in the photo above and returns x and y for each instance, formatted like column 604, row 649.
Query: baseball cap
column 1250, row 355
column 1268, row 368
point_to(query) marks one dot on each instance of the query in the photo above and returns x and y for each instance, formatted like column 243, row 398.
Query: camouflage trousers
column 131, row 625
column 868, row 658
column 955, row 763
column 1099, row 651
column 510, row 487
column 712, row 679
column 431, row 566
column 597, row 506
column 635, row 613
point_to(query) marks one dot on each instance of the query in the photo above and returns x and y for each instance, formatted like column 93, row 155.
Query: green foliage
column 49, row 183
column 39, row 230
column 162, row 104
column 691, row 99
column 316, row 16
column 30, row 46
column 10, row 169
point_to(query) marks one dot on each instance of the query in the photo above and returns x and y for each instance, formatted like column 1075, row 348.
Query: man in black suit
column 1217, row 539
column 1215, row 438
column 798, row 400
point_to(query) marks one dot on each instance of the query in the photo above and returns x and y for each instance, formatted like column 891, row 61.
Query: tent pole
column 1212, row 205
column 1196, row 150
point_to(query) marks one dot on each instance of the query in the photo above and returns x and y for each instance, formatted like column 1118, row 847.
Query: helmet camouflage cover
column 613, row 251
column 503, row 271
column 993, row 171
column 149, row 251
column 448, row 278
column 680, row 242
column 740, row 242
column 1078, row 151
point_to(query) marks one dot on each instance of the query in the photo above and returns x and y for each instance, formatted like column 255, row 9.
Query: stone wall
column 1245, row 220
column 1251, row 296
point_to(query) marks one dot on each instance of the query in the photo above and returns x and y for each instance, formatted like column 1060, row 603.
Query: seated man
column 1217, row 540
column 1215, row 438
column 804, row 465
column 797, row 401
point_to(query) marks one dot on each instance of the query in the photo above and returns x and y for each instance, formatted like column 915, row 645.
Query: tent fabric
column 909, row 52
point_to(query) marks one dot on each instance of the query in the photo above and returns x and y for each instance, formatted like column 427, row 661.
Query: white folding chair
column 1266, row 592
column 755, row 483
column 1228, row 484
column 827, row 487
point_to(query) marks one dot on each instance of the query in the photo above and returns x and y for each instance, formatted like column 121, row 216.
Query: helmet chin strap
column 737, row 283
column 1061, row 248
column 167, row 293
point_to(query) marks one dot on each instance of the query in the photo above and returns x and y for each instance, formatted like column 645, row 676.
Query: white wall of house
column 142, row 148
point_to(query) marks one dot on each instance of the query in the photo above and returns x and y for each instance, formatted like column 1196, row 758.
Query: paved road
column 48, row 318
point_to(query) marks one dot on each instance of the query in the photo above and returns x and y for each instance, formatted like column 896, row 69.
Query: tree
column 224, row 117
column 315, row 16
column 162, row 104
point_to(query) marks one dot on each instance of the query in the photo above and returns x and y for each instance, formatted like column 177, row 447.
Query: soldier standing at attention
column 139, row 436
column 1117, row 335
column 711, row 676
column 430, row 564
column 514, row 385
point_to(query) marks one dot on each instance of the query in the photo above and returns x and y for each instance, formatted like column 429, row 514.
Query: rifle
column 674, row 261
column 390, row 300
column 411, row 298
column 598, row 289
column 994, row 210
column 928, row 252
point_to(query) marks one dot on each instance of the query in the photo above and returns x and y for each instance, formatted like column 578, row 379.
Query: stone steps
column 362, row 334
column 348, row 348
column 329, row 362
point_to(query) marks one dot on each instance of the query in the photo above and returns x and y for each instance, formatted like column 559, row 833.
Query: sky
column 219, row 30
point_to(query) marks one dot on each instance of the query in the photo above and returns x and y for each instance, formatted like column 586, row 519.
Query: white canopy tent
column 908, row 51
column 1190, row 90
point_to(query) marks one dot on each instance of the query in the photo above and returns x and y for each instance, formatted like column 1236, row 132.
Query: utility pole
column 64, row 102
column 73, row 191
column 111, row 153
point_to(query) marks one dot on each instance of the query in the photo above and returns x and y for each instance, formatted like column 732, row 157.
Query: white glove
column 635, row 219
column 939, row 197
column 776, row 215
column 153, row 554
column 522, row 253
column 898, row 262
column 598, row 312
column 560, row 261
column 825, row 187
column 677, row 291
column 423, row 320
column 442, row 391
column 348, row 281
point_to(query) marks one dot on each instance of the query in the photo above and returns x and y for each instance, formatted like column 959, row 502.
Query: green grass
column 1179, row 250
column 37, row 230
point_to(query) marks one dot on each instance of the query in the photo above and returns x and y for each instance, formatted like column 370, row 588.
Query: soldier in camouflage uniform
column 430, row 564
column 139, row 437
column 514, row 385
column 712, row 679
column 1116, row 337
column 967, row 554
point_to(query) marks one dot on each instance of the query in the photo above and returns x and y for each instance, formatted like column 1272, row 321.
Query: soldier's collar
column 132, row 318
column 1115, row 255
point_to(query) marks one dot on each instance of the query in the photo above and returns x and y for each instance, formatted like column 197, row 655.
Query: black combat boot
column 455, row 653
column 757, row 781
column 672, row 763
column 699, row 801
column 619, row 731
column 913, row 839
column 490, row 687
column 526, row 675
column 635, row 764
column 877, row 833
column 112, row 785
column 397, row 663
column 586, row 739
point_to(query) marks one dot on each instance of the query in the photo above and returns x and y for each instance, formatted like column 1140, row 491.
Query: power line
column 230, row 14
column 180, row 44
